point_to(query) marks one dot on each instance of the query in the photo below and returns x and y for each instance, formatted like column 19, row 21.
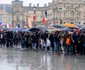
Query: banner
column 29, row 22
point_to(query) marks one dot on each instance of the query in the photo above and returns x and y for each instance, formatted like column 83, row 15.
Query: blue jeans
column 68, row 49
column 34, row 45
column 56, row 47
column 23, row 43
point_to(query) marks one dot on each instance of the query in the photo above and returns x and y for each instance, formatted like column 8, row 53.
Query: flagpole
column 44, row 21
column 34, row 8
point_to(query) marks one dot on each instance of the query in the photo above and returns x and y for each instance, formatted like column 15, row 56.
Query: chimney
column 49, row 3
column 45, row 5
column 38, row 5
column 34, row 5
column 30, row 4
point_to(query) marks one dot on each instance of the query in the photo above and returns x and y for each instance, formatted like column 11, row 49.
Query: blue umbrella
column 82, row 28
column 25, row 30
column 42, row 28
column 66, row 29
column 58, row 26
column 16, row 29
column 79, row 26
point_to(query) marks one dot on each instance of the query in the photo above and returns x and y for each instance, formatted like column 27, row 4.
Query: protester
column 68, row 47
column 69, row 44
column 83, row 44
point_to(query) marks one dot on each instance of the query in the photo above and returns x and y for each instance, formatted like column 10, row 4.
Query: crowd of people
column 67, row 43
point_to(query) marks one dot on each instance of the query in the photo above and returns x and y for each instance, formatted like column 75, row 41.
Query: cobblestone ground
column 13, row 59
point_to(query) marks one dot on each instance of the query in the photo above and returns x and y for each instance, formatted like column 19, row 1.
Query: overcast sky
column 26, row 2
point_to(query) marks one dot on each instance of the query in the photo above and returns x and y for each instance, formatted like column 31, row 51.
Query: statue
column 16, row 0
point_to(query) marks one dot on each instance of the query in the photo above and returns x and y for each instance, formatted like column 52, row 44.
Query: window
column 0, row 17
column 72, row 14
column 9, row 18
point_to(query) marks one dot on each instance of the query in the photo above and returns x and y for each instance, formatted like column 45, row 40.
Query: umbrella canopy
column 58, row 26
column 25, row 30
column 82, row 28
column 66, row 29
column 79, row 26
column 34, row 29
column 9, row 29
column 70, row 25
column 50, row 30
column 16, row 29
column 42, row 28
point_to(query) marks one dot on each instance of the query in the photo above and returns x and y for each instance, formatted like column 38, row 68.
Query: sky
column 26, row 2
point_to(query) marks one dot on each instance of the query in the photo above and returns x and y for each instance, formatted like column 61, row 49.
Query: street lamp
column 17, row 23
column 26, row 17
column 77, row 18
column 54, row 14
column 60, row 9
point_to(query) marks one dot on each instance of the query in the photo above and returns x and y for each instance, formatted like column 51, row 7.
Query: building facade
column 59, row 11
column 6, row 13
column 68, row 11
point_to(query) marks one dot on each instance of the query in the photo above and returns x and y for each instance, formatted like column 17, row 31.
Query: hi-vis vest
column 68, row 41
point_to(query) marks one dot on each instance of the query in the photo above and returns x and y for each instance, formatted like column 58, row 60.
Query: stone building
column 59, row 11
column 20, row 13
column 6, row 13
column 67, row 11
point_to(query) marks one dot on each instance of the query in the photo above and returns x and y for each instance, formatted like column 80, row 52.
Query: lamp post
column 54, row 14
column 77, row 18
column 26, row 17
column 17, row 23
column 60, row 9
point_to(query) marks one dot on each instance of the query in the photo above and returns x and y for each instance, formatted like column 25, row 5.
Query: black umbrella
column 34, row 29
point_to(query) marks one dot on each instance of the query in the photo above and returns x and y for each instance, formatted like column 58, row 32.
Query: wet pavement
column 12, row 59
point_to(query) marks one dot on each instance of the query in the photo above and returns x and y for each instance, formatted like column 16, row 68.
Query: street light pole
column 60, row 9
column 54, row 14
column 25, row 17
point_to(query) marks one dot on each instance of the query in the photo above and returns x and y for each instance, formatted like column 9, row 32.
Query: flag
column 34, row 17
column 5, row 25
column 51, row 24
column 29, row 21
column 44, row 20
column 0, row 23
column 10, row 26
column 78, row 31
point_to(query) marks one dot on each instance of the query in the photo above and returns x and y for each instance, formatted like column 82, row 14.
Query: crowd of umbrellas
column 57, row 27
